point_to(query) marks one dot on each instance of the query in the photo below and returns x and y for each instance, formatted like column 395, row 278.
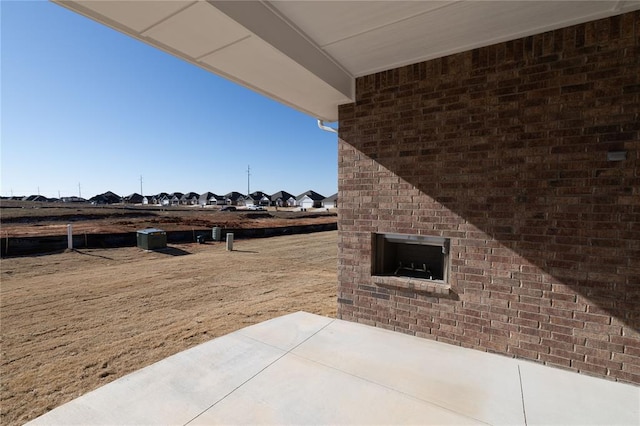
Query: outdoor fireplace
column 411, row 257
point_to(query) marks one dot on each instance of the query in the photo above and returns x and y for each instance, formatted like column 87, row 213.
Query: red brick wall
column 503, row 150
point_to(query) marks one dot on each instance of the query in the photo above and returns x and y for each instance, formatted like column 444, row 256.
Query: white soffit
column 134, row 15
column 366, row 37
column 197, row 31
column 286, row 66
column 282, row 76
column 306, row 54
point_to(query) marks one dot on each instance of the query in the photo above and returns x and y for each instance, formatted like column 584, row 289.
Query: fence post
column 70, row 236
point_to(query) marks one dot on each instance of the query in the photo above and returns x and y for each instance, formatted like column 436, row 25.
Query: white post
column 70, row 236
column 230, row 241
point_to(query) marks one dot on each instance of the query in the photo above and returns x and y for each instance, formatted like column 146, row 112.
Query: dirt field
column 22, row 219
column 74, row 321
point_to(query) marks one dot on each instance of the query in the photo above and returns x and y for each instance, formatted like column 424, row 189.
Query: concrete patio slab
column 307, row 369
column 288, row 331
column 473, row 383
column 298, row 391
column 172, row 391
column 555, row 396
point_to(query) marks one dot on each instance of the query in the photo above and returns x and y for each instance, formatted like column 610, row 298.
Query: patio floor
column 308, row 369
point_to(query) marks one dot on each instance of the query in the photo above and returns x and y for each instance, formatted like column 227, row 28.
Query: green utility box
column 152, row 239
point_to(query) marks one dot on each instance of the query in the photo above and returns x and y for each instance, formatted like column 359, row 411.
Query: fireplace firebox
column 411, row 256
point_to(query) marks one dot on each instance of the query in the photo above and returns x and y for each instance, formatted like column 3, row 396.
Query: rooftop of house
column 311, row 194
column 111, row 197
column 284, row 195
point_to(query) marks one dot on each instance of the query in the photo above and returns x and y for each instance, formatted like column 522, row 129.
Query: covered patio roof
column 307, row 54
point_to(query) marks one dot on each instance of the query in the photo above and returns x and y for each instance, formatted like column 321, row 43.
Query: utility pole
column 79, row 191
column 248, row 179
column 38, row 190
column 141, row 186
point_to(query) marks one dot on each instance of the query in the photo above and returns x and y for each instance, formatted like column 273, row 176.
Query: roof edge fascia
column 266, row 23
column 343, row 79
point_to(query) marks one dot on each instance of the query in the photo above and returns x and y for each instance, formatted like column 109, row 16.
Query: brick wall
column 503, row 150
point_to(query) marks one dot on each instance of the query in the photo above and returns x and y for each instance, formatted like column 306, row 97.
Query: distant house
column 210, row 199
column 73, row 200
column 283, row 199
column 205, row 198
column 39, row 198
column 174, row 198
column 190, row 198
column 331, row 202
column 98, row 199
column 158, row 198
column 112, row 197
column 310, row 199
column 161, row 199
column 258, row 198
column 234, row 199
column 134, row 198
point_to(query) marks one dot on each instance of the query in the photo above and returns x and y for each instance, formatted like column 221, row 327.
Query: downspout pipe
column 326, row 128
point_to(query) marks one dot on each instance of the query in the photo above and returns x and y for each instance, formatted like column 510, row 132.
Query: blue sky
column 85, row 105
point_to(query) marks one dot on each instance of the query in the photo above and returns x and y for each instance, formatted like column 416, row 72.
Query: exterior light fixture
column 616, row 155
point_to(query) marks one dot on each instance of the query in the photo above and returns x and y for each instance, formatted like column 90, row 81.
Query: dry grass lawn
column 75, row 321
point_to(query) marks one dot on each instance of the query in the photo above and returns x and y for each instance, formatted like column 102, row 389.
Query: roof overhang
column 307, row 54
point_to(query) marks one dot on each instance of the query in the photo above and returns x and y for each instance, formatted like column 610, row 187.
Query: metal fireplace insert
column 412, row 256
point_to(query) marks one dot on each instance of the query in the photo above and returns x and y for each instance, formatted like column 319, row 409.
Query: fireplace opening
column 412, row 256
